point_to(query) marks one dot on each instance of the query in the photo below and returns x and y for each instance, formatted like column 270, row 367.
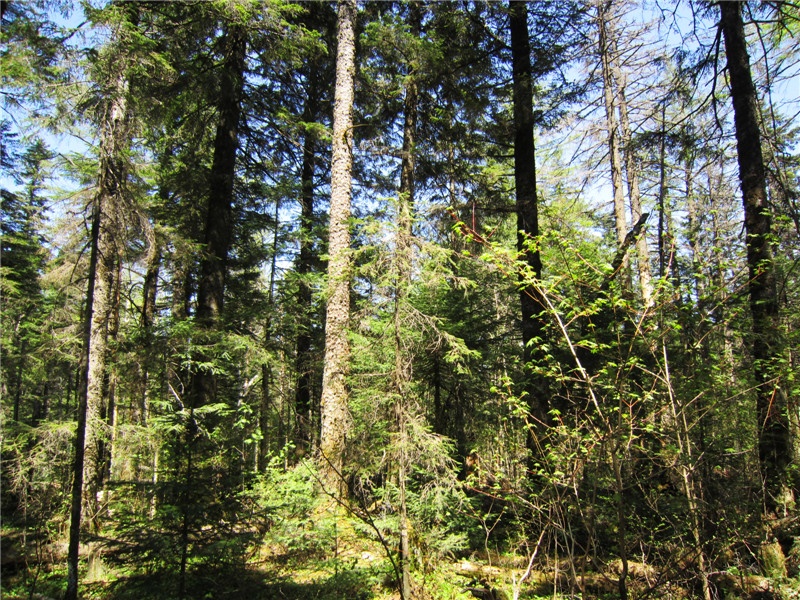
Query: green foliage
column 288, row 508
column 650, row 455
column 36, row 477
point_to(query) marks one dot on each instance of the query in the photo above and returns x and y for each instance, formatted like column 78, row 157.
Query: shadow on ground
column 244, row 584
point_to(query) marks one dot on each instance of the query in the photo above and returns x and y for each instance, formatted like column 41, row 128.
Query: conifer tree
column 775, row 447
column 107, row 218
column 335, row 395
column 533, row 308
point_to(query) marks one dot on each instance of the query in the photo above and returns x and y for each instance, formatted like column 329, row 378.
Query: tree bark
column 532, row 305
column 76, row 503
column 219, row 214
column 774, row 435
column 632, row 171
column 305, row 262
column 265, row 407
column 620, row 217
column 104, row 259
column 113, row 174
column 403, row 272
column 335, row 395
column 146, row 321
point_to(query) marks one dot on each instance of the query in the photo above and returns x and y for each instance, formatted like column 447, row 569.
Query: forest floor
column 355, row 567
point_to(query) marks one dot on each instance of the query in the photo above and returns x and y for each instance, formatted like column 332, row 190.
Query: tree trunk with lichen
column 335, row 395
column 632, row 172
column 104, row 259
column 609, row 101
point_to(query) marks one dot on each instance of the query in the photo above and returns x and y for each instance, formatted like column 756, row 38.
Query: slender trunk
column 405, row 547
column 303, row 363
column 692, row 233
column 263, row 419
column 211, row 286
column 691, row 207
column 266, row 372
column 146, row 321
column 335, row 395
column 219, row 213
column 692, row 489
column 106, row 209
column 634, row 196
column 662, row 194
column 620, row 217
column 532, row 305
column 96, row 427
column 182, row 282
column 150, row 287
column 112, row 178
column 403, row 272
column 622, row 519
column 23, row 348
column 80, row 434
column 774, row 436
column 187, row 509
column 109, row 409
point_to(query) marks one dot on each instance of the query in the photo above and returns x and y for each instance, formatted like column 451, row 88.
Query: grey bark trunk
column 620, row 217
column 632, row 171
column 103, row 266
column 335, row 395
column 76, row 503
column 113, row 174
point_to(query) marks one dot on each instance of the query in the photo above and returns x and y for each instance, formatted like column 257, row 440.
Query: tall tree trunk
column 662, row 195
column 213, row 268
column 109, row 407
column 305, row 262
column 609, row 100
column 262, row 456
column 103, row 260
column 23, row 348
column 532, row 304
column 113, row 174
column 146, row 321
column 219, row 213
column 76, row 502
column 335, row 395
column 632, row 171
column 774, row 436
column 265, row 406
column 403, row 271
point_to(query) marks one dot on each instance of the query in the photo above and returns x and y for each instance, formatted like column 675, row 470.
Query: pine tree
column 774, row 436
column 533, row 307
column 105, row 255
column 334, row 402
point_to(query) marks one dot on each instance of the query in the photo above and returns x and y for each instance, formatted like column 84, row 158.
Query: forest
column 407, row 300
